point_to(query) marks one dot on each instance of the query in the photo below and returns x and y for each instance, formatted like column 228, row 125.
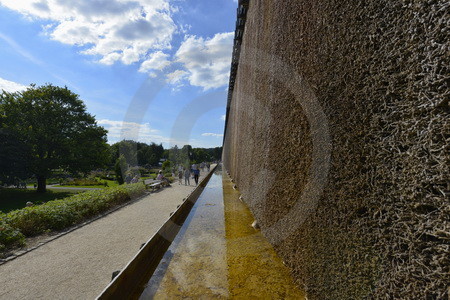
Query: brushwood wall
column 353, row 94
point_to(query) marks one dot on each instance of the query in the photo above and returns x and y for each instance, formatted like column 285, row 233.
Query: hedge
column 60, row 214
column 9, row 236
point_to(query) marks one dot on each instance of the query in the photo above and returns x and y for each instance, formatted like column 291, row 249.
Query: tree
column 14, row 157
column 127, row 148
column 200, row 155
column 186, row 153
column 137, row 153
column 120, row 168
column 174, row 154
column 52, row 121
column 216, row 153
column 166, row 165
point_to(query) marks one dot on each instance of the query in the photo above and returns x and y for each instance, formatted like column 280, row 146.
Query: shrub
column 9, row 236
column 59, row 214
column 120, row 169
column 166, row 165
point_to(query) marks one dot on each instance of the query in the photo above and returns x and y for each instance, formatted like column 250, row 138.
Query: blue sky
column 149, row 70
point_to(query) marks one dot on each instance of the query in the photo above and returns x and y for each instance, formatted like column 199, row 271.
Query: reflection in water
column 217, row 254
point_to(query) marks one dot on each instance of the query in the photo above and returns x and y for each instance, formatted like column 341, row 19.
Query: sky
column 148, row 70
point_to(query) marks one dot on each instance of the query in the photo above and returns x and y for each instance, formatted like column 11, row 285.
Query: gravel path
column 79, row 265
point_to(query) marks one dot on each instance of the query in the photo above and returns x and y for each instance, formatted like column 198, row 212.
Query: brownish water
column 217, row 254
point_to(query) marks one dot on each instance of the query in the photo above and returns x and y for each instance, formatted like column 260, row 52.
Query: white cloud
column 176, row 76
column 112, row 30
column 157, row 61
column 207, row 60
column 223, row 117
column 10, row 86
column 212, row 134
column 119, row 130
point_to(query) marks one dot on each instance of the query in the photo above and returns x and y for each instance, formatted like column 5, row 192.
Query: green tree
column 120, row 168
column 166, row 165
column 52, row 121
column 143, row 154
column 14, row 157
column 137, row 153
column 174, row 154
column 186, row 153
column 156, row 153
column 217, row 153
column 200, row 155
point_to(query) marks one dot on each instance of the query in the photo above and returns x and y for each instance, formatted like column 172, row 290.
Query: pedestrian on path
column 187, row 174
column 180, row 176
column 196, row 174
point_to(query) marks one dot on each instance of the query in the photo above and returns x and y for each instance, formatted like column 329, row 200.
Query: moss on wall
column 379, row 70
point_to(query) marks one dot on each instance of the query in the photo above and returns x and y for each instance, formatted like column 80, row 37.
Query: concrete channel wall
column 337, row 136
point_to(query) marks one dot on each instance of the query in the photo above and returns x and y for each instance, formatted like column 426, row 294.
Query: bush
column 59, row 214
column 166, row 165
column 120, row 169
column 9, row 236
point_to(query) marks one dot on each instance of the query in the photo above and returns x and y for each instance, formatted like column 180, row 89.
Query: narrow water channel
column 217, row 254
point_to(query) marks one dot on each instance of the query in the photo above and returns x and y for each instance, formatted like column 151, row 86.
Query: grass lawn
column 11, row 199
column 81, row 186
column 111, row 183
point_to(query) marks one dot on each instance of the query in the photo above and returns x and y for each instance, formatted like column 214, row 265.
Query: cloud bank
column 133, row 31
column 11, row 86
column 112, row 30
column 119, row 130
column 207, row 61
column 212, row 134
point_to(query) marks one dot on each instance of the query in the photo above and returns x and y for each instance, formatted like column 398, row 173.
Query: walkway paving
column 79, row 265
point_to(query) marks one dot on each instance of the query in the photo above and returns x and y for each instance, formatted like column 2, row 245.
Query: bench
column 153, row 184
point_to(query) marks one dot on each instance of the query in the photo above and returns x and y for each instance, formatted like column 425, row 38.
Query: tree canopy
column 55, row 130
column 187, row 154
column 137, row 153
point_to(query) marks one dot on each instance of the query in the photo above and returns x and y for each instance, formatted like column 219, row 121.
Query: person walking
column 180, row 176
column 196, row 174
column 187, row 174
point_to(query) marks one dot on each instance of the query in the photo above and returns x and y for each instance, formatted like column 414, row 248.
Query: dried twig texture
column 380, row 71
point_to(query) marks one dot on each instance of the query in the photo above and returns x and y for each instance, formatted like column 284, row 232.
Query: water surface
column 217, row 254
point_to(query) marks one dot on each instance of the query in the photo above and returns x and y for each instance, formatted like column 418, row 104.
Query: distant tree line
column 137, row 153
column 150, row 155
column 187, row 154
